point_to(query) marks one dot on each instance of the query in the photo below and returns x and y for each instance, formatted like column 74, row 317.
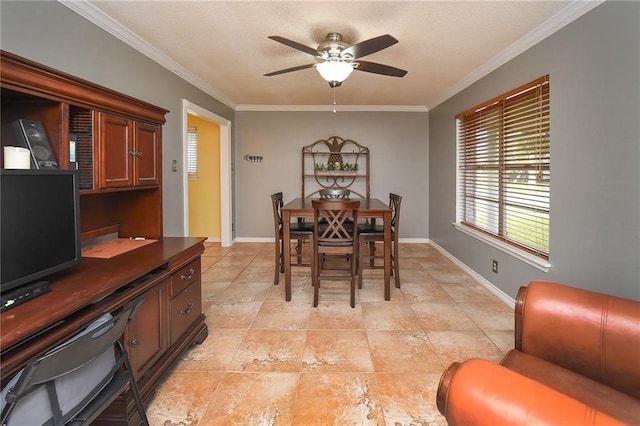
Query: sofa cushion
column 606, row 399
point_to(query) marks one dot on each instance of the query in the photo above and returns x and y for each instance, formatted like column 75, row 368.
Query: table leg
column 286, row 253
column 387, row 255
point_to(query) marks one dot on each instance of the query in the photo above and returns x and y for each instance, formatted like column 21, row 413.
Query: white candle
column 16, row 158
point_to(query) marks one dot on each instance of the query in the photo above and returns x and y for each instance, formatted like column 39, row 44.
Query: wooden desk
column 370, row 208
column 166, row 273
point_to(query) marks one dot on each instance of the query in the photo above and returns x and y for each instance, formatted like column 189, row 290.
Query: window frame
column 192, row 153
column 492, row 164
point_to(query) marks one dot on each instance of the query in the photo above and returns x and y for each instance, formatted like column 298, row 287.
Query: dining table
column 370, row 208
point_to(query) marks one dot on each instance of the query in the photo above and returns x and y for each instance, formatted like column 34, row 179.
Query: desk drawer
column 185, row 276
column 184, row 309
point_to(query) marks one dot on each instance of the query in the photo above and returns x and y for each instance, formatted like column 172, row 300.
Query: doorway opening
column 226, row 196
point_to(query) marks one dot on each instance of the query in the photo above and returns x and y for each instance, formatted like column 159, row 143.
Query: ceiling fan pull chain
column 334, row 99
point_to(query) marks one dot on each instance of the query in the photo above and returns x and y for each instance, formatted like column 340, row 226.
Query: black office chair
column 74, row 382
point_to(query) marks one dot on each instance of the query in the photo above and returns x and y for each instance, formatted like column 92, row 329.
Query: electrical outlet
column 494, row 266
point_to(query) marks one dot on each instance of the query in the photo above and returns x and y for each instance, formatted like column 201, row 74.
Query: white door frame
column 226, row 195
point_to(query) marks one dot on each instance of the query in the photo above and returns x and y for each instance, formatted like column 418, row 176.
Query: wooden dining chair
column 334, row 238
column 371, row 233
column 334, row 193
column 299, row 231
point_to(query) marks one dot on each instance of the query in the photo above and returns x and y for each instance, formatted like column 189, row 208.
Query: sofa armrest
column 589, row 333
column 479, row 392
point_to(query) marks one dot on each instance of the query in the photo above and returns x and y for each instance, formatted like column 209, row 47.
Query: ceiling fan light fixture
column 334, row 71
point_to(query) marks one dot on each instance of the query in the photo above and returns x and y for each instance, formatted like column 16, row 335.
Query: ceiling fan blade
column 301, row 47
column 370, row 46
column 298, row 68
column 374, row 68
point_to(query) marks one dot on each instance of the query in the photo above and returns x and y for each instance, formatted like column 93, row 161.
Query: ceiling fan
column 336, row 59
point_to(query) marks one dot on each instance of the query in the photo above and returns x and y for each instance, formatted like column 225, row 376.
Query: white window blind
column 504, row 167
column 192, row 153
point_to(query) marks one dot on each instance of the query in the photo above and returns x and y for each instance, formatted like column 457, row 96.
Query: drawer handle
column 188, row 310
column 134, row 343
column 184, row 277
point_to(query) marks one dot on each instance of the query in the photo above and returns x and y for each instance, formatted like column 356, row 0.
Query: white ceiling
column 222, row 46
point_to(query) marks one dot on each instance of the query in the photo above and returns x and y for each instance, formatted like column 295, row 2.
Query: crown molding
column 565, row 16
column 97, row 17
column 330, row 108
column 568, row 14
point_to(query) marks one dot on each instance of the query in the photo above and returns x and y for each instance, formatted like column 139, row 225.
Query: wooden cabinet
column 147, row 165
column 116, row 151
column 129, row 152
column 186, row 299
column 145, row 337
column 114, row 140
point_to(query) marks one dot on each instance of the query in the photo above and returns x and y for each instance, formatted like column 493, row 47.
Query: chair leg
column 282, row 257
column 372, row 253
column 353, row 280
column 315, row 264
column 359, row 268
column 136, row 395
column 299, row 252
column 315, row 282
column 279, row 265
column 394, row 263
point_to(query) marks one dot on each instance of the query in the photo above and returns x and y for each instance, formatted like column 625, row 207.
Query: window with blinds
column 504, row 166
column 192, row 152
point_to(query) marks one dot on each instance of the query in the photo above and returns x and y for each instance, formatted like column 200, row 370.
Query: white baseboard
column 254, row 240
column 271, row 240
column 414, row 240
column 483, row 281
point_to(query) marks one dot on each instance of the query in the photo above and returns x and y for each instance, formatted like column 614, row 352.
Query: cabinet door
column 116, row 151
column 146, row 336
column 147, row 158
column 184, row 309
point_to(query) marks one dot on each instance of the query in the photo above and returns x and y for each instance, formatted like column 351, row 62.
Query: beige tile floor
column 271, row 362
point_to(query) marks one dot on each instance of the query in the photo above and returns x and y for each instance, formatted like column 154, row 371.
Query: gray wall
column 594, row 68
column 398, row 142
column 50, row 33
column 595, row 191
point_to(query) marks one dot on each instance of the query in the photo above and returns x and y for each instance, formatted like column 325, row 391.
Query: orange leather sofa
column 576, row 361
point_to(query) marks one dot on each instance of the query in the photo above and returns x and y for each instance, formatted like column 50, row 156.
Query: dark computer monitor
column 40, row 225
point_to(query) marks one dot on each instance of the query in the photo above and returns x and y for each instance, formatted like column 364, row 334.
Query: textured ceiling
column 222, row 46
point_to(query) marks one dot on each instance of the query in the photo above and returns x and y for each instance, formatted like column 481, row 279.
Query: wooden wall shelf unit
column 118, row 142
column 335, row 163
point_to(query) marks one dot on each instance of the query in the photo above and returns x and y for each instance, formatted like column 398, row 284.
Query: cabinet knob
column 134, row 343
column 188, row 277
column 188, row 310
column 138, row 154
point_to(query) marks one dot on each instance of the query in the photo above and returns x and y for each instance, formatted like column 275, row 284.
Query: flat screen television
column 39, row 226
